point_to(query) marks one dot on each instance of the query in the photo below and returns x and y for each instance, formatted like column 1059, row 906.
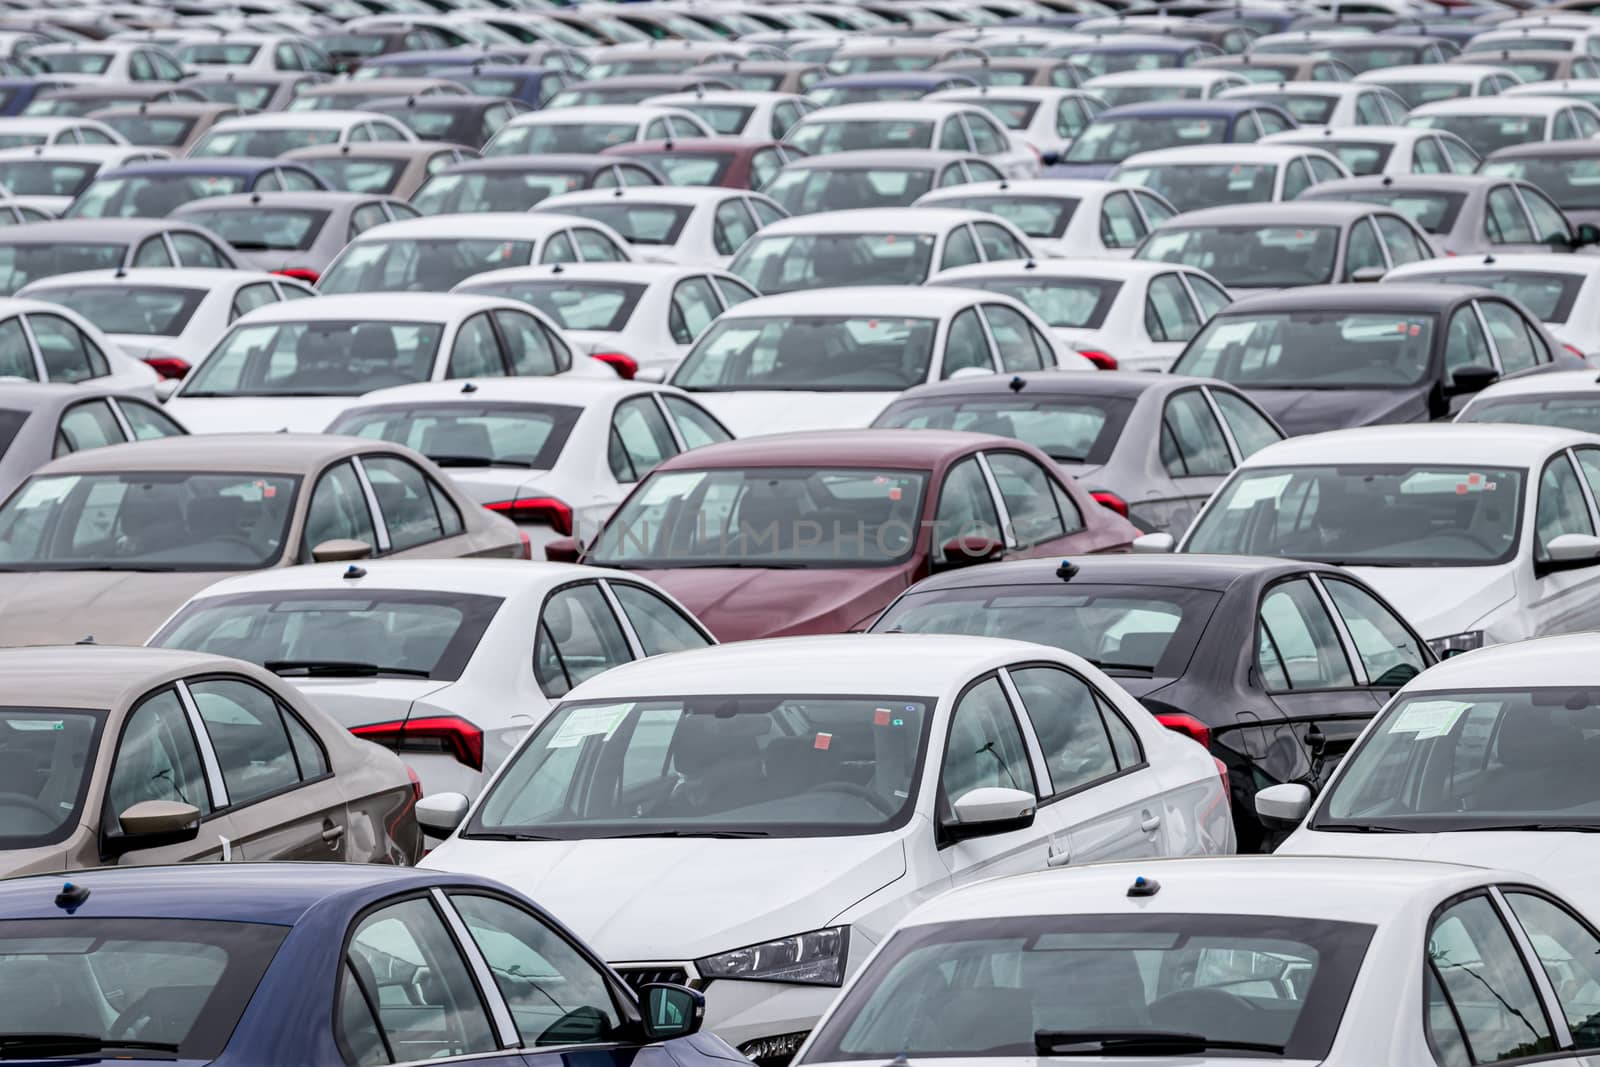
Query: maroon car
column 808, row 533
column 732, row 162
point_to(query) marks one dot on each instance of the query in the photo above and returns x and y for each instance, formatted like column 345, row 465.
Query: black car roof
column 1215, row 573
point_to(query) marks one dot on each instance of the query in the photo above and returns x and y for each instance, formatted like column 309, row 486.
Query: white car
column 834, row 359
column 585, row 130
column 874, row 246
column 1479, row 534
column 692, row 225
column 1351, row 103
column 251, row 53
column 869, row 772
column 112, row 62
column 1490, row 122
column 1586, row 89
column 1121, row 313
column 437, row 252
column 639, row 317
column 1043, row 116
column 1181, row 83
column 295, row 365
column 1077, row 217
column 1529, row 38
column 1230, row 963
column 272, row 134
column 42, row 342
column 1423, row 83
column 1368, row 150
column 29, row 130
column 48, row 178
column 1200, row 176
column 555, row 457
column 170, row 317
column 756, row 116
column 1568, row 398
column 915, row 124
column 448, row 662
column 1563, row 291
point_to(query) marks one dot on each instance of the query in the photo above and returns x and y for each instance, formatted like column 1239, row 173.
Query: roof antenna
column 353, row 571
column 1017, row 383
column 469, row 387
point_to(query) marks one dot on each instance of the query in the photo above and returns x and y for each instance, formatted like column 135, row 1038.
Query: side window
column 1169, row 314
column 784, row 115
column 1480, row 1000
column 997, row 243
column 412, row 978
column 985, row 746
column 1028, row 496
column 1505, row 219
column 1562, row 509
column 405, row 500
column 556, row 996
column 558, row 249
column 1391, row 656
column 578, row 638
column 966, row 508
column 533, row 350
column 1365, row 250
column 640, row 439
column 732, row 226
column 695, row 425
column 153, row 253
column 1324, row 170
column 1296, row 179
column 1404, row 245
column 1298, row 645
column 1069, row 118
column 1549, row 225
column 269, row 182
column 1211, row 297
column 660, row 626
column 1564, row 129
column 1272, row 122
column 966, row 347
column 1066, row 717
column 952, row 175
column 1511, row 336
column 139, row 68
column 16, row 357
column 1369, row 110
column 1156, row 210
column 1569, row 952
column 953, row 138
column 734, row 292
column 605, row 179
column 960, row 249
column 1197, row 445
column 87, row 425
column 1252, row 431
column 285, row 58
column 146, row 421
column 764, row 163
column 635, row 175
column 766, row 213
column 157, row 759
column 476, row 352
column 250, row 297
column 693, row 307
column 1120, row 224
column 657, row 131
column 1020, row 346
column 338, row 510
column 247, row 731
column 296, row 181
column 366, row 217
column 597, row 247
column 1465, row 345
column 985, row 138
column 69, row 355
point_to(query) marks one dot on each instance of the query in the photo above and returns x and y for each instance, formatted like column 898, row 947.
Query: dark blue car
column 528, row 85
column 884, row 85
column 17, row 93
column 152, row 190
column 1119, row 132
column 315, row 965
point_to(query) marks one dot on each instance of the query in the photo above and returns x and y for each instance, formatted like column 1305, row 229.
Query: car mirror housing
column 441, row 813
column 340, row 550
column 1573, row 550
column 1473, row 379
column 165, row 387
column 671, row 1010
column 561, row 550
column 965, row 551
column 1281, row 807
column 651, row 374
column 1368, row 274
column 1152, row 543
column 152, row 824
column 1587, row 234
column 990, row 810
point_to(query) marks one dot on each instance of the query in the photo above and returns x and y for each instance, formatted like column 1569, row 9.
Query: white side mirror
column 441, row 813
column 1283, row 806
column 1153, row 543
column 991, row 810
column 165, row 387
column 1573, row 548
column 656, row 375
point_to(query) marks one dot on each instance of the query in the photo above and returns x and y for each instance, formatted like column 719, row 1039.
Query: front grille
column 643, row 976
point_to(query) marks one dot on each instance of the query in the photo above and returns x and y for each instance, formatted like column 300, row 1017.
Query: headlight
column 816, row 958
column 1455, row 644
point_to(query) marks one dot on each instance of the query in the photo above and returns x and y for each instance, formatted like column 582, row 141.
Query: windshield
column 1066, row 303
column 1360, row 58
column 1244, row 257
column 1313, row 350
column 1573, row 183
column 575, row 305
column 1117, row 95
column 998, row 988
column 1067, row 429
column 1113, row 140
column 819, row 136
column 217, row 53
column 151, row 197
column 836, row 95
column 52, row 754
column 354, row 174
column 430, row 265
column 1571, row 411
column 640, row 223
column 772, row 766
column 261, row 143
column 155, row 521
column 784, row 263
column 165, row 132
column 1376, row 514
column 1485, row 133
column 254, row 95
column 764, row 517
column 527, row 436
column 569, row 138
column 316, row 358
column 1415, row 94
column 689, row 168
column 71, row 62
column 411, row 632
column 45, row 177
column 806, row 190
column 150, row 310
column 1434, row 212
column 1472, row 760
column 1094, row 64
column 24, row 263
column 261, row 229
column 1191, row 186
column 813, row 352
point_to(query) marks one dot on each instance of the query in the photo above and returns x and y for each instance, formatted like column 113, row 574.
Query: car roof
column 1552, row 384
column 1048, row 187
column 720, row 143
column 162, row 277
column 635, row 113
column 510, row 225
column 1455, row 183
column 368, row 150
column 1550, row 262
column 870, row 300
column 1110, row 269
column 1429, row 72
column 1179, row 571
column 310, row 198
column 255, row 453
column 1180, row 108
column 721, row 96
column 1496, row 105
column 1390, row 296
column 890, row 109
column 880, row 157
column 1548, row 149
column 1393, row 135
column 484, row 577
column 1567, row 659
column 1501, row 444
column 1221, row 153
column 107, row 229
column 891, row 79
column 873, row 219
column 921, row 450
column 531, row 164
column 1304, row 212
column 160, row 108
column 648, row 273
column 691, row 195
column 243, row 165
column 1165, row 76
column 289, row 120
column 378, row 307
column 569, row 390
column 89, row 675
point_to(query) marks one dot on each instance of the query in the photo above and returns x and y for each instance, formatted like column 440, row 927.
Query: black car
column 1561, row 169
column 1200, row 640
column 1328, row 357
column 516, row 183
column 457, row 118
column 78, row 100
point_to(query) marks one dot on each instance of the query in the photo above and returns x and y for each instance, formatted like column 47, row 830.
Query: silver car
column 42, row 420
column 297, row 234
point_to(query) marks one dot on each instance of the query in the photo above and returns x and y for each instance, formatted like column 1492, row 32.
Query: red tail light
column 447, row 734
column 527, row 545
column 300, row 274
column 625, row 366
column 1187, row 725
column 168, row 366
column 1575, row 351
column 1103, row 360
column 1110, row 500
column 535, row 510
column 416, row 784
column 1222, row 769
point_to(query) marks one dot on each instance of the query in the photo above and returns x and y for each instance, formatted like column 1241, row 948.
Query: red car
column 812, row 533
column 731, row 162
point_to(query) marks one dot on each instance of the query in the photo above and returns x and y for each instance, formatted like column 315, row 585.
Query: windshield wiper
column 49, row 1046
column 501, row 835
column 1136, row 1043
column 746, row 564
column 1362, row 828
column 689, row 833
column 339, row 668
column 479, row 461
column 1534, row 827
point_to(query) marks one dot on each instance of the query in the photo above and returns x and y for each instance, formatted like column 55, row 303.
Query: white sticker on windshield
column 1428, row 718
column 1254, row 490
column 587, row 722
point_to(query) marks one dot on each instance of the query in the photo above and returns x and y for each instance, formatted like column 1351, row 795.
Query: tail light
column 1110, row 500
column 527, row 544
column 1575, row 351
column 416, row 784
column 168, row 366
column 1187, row 725
column 442, row 734
column 536, row 510
column 1103, row 360
column 1222, row 769
column 625, row 366
column 300, row 274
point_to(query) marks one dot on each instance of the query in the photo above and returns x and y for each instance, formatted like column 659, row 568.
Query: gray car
column 262, row 90
column 393, row 168
column 1467, row 213
column 887, row 177
column 297, row 234
column 64, row 246
column 1150, row 447
column 175, row 126
column 40, row 421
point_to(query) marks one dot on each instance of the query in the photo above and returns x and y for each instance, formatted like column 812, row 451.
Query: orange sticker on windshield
column 822, row 742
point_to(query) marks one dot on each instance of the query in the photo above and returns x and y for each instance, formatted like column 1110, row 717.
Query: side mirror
column 441, row 813
column 152, row 824
column 650, row 374
column 991, row 810
column 1473, row 379
column 965, row 551
column 1152, row 543
column 340, row 549
column 1282, row 807
column 1049, row 159
column 1587, row 234
column 671, row 1010
column 1573, row 548
column 165, row 387
column 1369, row 274
column 561, row 550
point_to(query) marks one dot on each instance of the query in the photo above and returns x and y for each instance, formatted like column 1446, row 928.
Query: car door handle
column 1150, row 823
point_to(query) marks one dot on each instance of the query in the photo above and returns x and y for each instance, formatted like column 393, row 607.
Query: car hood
column 779, row 411
column 1303, row 411
column 114, row 607
column 257, row 414
column 1440, row 601
column 647, row 899
column 741, row 604
column 357, row 701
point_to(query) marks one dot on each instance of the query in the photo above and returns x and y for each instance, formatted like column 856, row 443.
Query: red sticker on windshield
column 894, row 494
column 881, row 716
column 822, row 742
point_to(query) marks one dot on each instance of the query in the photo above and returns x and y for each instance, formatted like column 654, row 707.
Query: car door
column 1193, row 451
column 1566, row 597
column 1385, row 651
column 1171, row 318
column 578, row 636
column 282, row 797
column 1566, row 949
column 1038, row 517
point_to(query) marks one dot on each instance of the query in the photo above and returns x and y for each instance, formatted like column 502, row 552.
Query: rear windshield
column 641, row 224
column 163, row 131
column 239, row 93
column 1066, row 303
column 1359, row 157
column 353, row 174
column 692, row 168
column 1548, row 295
column 150, row 196
column 575, row 305
column 1572, row 182
column 46, row 177
column 1434, row 211
column 258, row 229
column 24, row 263
column 1036, row 216
column 151, row 310
column 1076, row 429
column 1191, row 186
column 493, row 190
column 528, row 436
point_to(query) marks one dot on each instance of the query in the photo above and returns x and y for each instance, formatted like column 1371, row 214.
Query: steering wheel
column 861, row 791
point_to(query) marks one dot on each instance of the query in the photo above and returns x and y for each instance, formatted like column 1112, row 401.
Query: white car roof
column 1181, row 76
column 297, row 120
column 693, row 195
column 752, row 97
column 89, row 47
column 930, row 220
column 929, row 110
column 48, row 124
column 510, row 225
column 1518, row 33
column 1545, row 262
column 910, row 301
column 1339, row 89
column 567, row 116
column 1568, row 659
column 166, row 277
column 85, row 153
column 974, row 95
column 1496, row 105
column 1567, row 381
column 1221, row 153
column 1117, row 269
column 1431, row 72
column 575, row 391
column 1498, row 444
column 1392, row 135
column 642, row 273
column 492, row 577
column 377, row 307
column 1070, row 188
column 1560, row 87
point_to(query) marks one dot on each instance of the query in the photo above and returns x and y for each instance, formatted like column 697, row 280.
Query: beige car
column 394, row 168
column 175, row 126
column 146, row 755
column 107, row 543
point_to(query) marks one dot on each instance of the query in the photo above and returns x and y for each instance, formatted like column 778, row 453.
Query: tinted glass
column 813, row 352
column 134, row 309
column 1113, row 140
column 150, row 196
column 805, row 190
column 428, row 264
column 1035, row 216
column 1068, row 303
column 1572, row 182
column 1190, row 186
column 573, row 304
column 784, row 263
column 24, row 263
column 316, row 358
column 258, row 229
column 1306, row 349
